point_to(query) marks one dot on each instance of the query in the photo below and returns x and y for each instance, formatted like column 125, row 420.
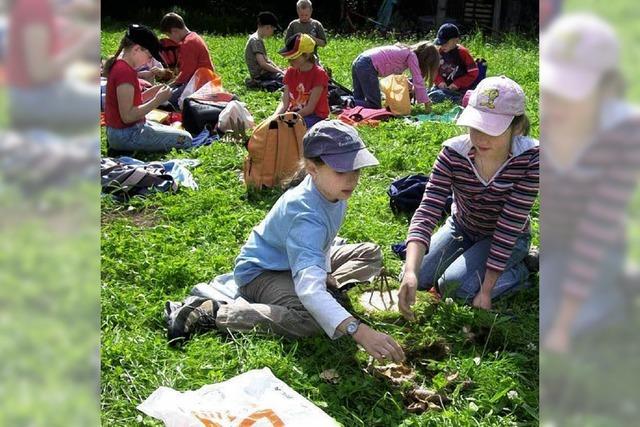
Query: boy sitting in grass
column 458, row 70
column 192, row 55
column 261, row 68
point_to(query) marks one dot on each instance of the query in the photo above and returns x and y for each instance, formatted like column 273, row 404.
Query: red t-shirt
column 121, row 73
column 25, row 13
column 300, row 84
column 193, row 54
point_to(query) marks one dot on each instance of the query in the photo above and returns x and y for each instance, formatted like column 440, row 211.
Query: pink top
column 394, row 59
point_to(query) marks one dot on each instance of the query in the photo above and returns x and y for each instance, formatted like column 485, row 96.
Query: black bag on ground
column 196, row 115
column 405, row 195
column 124, row 181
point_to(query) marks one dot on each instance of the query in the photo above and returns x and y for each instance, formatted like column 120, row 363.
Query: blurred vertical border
column 49, row 194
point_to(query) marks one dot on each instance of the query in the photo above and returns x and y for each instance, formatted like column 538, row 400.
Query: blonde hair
column 303, row 4
column 301, row 172
column 428, row 59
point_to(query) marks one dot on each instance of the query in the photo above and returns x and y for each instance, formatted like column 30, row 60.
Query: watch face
column 352, row 327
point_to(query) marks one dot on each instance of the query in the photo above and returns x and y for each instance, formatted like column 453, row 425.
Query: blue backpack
column 405, row 195
column 482, row 72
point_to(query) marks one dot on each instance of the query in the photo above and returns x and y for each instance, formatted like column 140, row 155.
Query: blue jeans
column 311, row 120
column 454, row 258
column 440, row 95
column 149, row 136
column 176, row 92
column 64, row 105
column 603, row 306
column 366, row 87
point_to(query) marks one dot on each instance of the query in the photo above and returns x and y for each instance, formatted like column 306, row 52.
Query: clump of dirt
column 437, row 349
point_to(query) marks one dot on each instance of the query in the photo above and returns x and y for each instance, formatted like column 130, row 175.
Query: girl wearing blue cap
column 286, row 264
column 126, row 105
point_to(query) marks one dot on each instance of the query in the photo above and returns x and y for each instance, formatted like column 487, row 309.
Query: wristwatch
column 352, row 327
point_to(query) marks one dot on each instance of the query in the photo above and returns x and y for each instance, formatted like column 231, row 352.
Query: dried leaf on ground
column 397, row 374
column 420, row 399
column 330, row 375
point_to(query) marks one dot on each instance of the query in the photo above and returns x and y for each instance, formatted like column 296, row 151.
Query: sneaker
column 532, row 260
column 196, row 314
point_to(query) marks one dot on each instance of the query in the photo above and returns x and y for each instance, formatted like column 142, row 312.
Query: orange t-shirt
column 193, row 54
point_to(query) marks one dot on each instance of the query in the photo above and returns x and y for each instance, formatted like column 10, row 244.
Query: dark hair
column 520, row 125
column 171, row 20
column 267, row 18
column 301, row 173
column 125, row 43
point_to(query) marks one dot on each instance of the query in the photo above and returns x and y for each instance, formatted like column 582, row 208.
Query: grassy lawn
column 157, row 248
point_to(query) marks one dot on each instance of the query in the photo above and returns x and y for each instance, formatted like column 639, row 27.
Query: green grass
column 157, row 248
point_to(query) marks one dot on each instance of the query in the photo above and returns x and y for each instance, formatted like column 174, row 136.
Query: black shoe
column 532, row 260
column 196, row 314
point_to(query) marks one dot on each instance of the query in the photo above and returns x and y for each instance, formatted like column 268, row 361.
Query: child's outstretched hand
column 407, row 295
column 379, row 345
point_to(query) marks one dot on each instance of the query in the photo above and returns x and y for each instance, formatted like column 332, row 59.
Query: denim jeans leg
column 436, row 96
column 156, row 137
column 441, row 95
column 311, row 120
column 123, row 139
column 447, row 244
column 176, row 92
column 358, row 93
column 467, row 272
column 367, row 77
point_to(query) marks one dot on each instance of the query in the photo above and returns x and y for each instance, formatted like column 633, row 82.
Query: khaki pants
column 270, row 301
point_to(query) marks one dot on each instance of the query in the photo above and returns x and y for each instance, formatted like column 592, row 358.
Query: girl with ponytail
column 126, row 105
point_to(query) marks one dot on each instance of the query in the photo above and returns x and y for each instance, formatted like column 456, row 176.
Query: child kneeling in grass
column 306, row 84
column 493, row 173
column 283, row 268
column 421, row 59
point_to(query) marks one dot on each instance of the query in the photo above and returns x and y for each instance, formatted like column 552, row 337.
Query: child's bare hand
column 482, row 300
column 453, row 87
column 381, row 346
column 164, row 94
column 442, row 85
column 407, row 295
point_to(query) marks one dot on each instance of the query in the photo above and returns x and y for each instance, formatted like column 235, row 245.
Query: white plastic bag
column 254, row 398
column 235, row 118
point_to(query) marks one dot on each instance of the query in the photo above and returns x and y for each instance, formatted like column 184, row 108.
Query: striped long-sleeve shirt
column 498, row 209
column 586, row 204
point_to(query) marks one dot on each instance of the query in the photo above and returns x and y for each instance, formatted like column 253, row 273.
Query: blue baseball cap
column 445, row 33
column 338, row 145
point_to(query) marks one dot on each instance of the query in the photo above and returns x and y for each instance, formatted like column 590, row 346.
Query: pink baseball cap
column 492, row 105
column 575, row 53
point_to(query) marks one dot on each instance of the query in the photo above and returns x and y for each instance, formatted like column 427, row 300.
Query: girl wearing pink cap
column 493, row 172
